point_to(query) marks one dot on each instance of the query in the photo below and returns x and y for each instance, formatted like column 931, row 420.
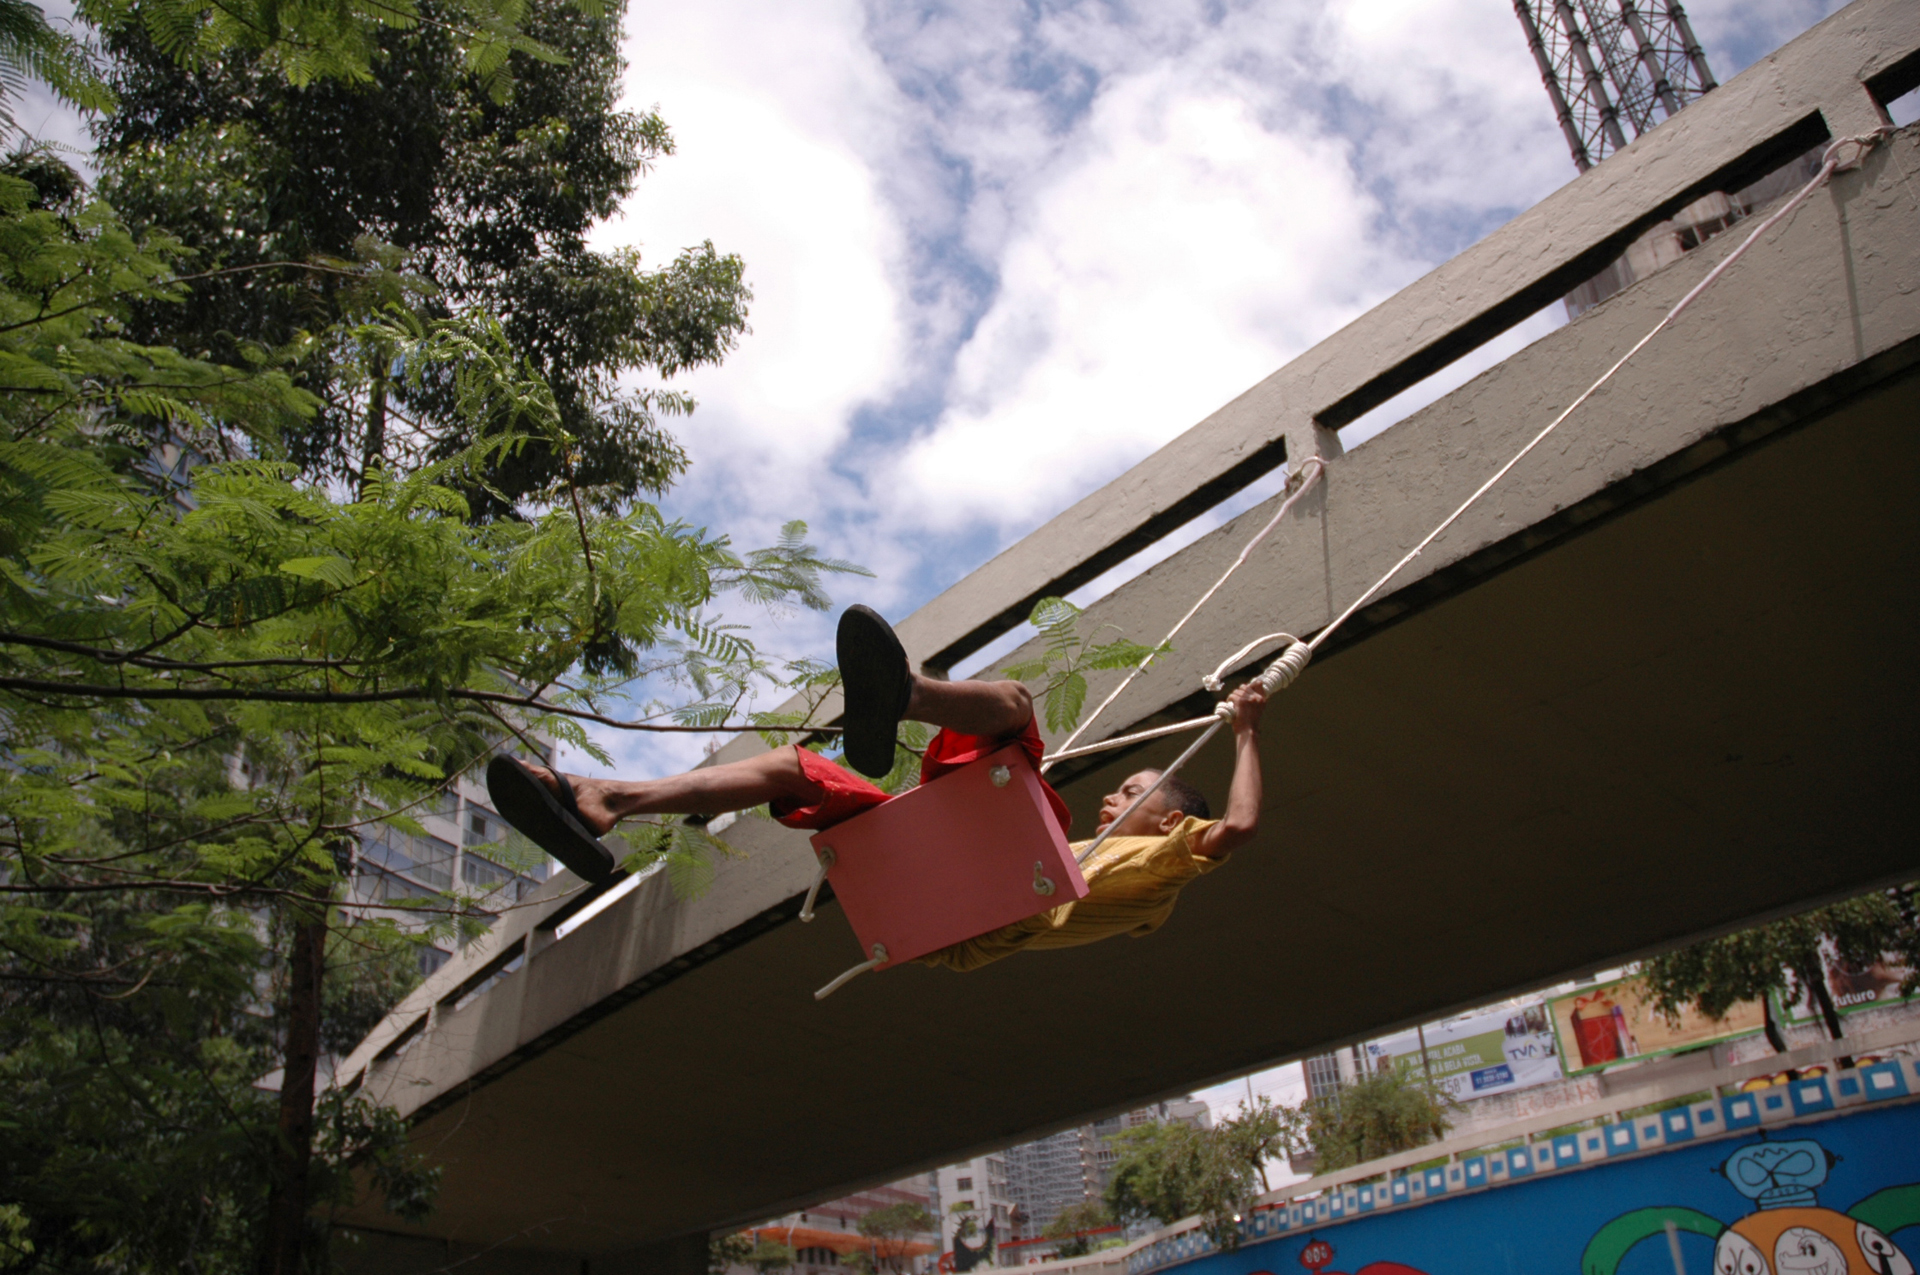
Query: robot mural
column 1789, row 1232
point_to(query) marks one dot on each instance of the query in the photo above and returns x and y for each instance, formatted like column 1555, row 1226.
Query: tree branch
column 214, row 694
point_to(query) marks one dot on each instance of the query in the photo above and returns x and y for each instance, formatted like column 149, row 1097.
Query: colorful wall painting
column 1834, row 1197
column 1612, row 1023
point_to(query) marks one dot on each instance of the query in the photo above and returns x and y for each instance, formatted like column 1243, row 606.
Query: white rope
column 879, row 958
column 1831, row 162
column 1221, row 717
column 819, row 878
column 1276, row 677
column 1216, row 680
column 1282, row 671
column 1121, row 741
column 1309, row 472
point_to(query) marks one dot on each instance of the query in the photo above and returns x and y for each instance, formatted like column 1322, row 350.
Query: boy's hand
column 1242, row 818
column 1248, row 703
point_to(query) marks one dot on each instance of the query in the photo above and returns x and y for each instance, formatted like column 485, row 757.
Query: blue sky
column 1001, row 250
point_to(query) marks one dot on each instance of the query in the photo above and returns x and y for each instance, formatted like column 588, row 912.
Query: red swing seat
column 955, row 858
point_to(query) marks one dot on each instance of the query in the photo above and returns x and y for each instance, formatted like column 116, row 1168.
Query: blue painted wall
column 1543, row 1225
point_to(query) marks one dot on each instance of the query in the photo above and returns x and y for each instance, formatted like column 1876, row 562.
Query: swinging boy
column 1134, row 878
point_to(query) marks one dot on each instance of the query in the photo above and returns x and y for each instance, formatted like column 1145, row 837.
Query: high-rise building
column 460, row 848
column 1050, row 1175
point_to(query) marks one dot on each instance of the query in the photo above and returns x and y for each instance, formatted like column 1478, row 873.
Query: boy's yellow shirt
column 1134, row 882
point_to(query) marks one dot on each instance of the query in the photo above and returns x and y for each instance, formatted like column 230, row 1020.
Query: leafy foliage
column 220, row 674
column 731, row 1249
column 1265, row 1131
column 467, row 200
column 306, row 41
column 30, row 49
column 767, row 1256
column 1783, row 959
column 1068, row 657
column 1069, row 1224
column 316, row 480
column 1173, row 1170
column 896, row 1221
column 890, row 1226
column 131, row 1038
column 1379, row 1114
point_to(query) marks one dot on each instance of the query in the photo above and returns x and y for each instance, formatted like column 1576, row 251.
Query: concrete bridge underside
column 1661, row 684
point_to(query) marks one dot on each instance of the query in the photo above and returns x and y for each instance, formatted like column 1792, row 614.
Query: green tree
column 732, row 1249
column 1070, row 1225
column 890, row 1228
column 218, row 675
column 475, row 200
column 767, row 1256
column 1173, row 1170
column 1783, row 959
column 1262, row 1132
column 278, row 562
column 1380, row 1114
column 309, row 41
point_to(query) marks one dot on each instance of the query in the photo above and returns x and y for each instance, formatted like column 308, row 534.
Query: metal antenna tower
column 1614, row 68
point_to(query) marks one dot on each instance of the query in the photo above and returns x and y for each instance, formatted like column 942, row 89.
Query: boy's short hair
column 1184, row 797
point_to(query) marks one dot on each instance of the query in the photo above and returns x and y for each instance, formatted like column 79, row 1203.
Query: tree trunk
column 293, row 1149
column 1772, row 1028
column 1829, row 1012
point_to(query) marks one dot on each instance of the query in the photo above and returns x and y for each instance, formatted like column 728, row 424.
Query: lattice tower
column 1614, row 68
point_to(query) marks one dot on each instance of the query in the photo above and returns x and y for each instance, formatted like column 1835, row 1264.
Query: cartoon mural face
column 1789, row 1233
column 1803, row 1241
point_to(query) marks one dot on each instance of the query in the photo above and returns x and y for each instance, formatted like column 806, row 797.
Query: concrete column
column 1854, row 113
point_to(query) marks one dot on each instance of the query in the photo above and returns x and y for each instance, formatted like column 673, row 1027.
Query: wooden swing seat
column 965, row 854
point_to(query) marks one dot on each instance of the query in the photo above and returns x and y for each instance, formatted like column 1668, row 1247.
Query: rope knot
column 1281, row 672
column 1837, row 154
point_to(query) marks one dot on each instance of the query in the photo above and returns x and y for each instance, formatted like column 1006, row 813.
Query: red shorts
column 845, row 794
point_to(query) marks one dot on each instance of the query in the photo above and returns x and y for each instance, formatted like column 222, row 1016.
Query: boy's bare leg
column 711, row 790
column 992, row 710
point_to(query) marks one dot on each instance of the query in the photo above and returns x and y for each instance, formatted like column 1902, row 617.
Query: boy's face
column 1150, row 820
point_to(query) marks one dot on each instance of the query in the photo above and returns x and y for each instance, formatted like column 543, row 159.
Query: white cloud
column 1178, row 251
column 1002, row 251
column 773, row 108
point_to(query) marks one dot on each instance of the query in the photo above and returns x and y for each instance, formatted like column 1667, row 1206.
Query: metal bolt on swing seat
column 1042, row 883
column 1000, row 776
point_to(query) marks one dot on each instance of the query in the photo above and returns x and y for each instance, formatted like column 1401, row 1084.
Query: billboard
column 1854, row 987
column 1613, row 1023
column 1482, row 1054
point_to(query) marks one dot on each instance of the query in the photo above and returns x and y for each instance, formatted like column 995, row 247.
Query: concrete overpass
column 1660, row 684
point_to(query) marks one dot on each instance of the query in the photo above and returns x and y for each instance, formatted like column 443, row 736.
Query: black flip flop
column 552, row 822
column 877, row 683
